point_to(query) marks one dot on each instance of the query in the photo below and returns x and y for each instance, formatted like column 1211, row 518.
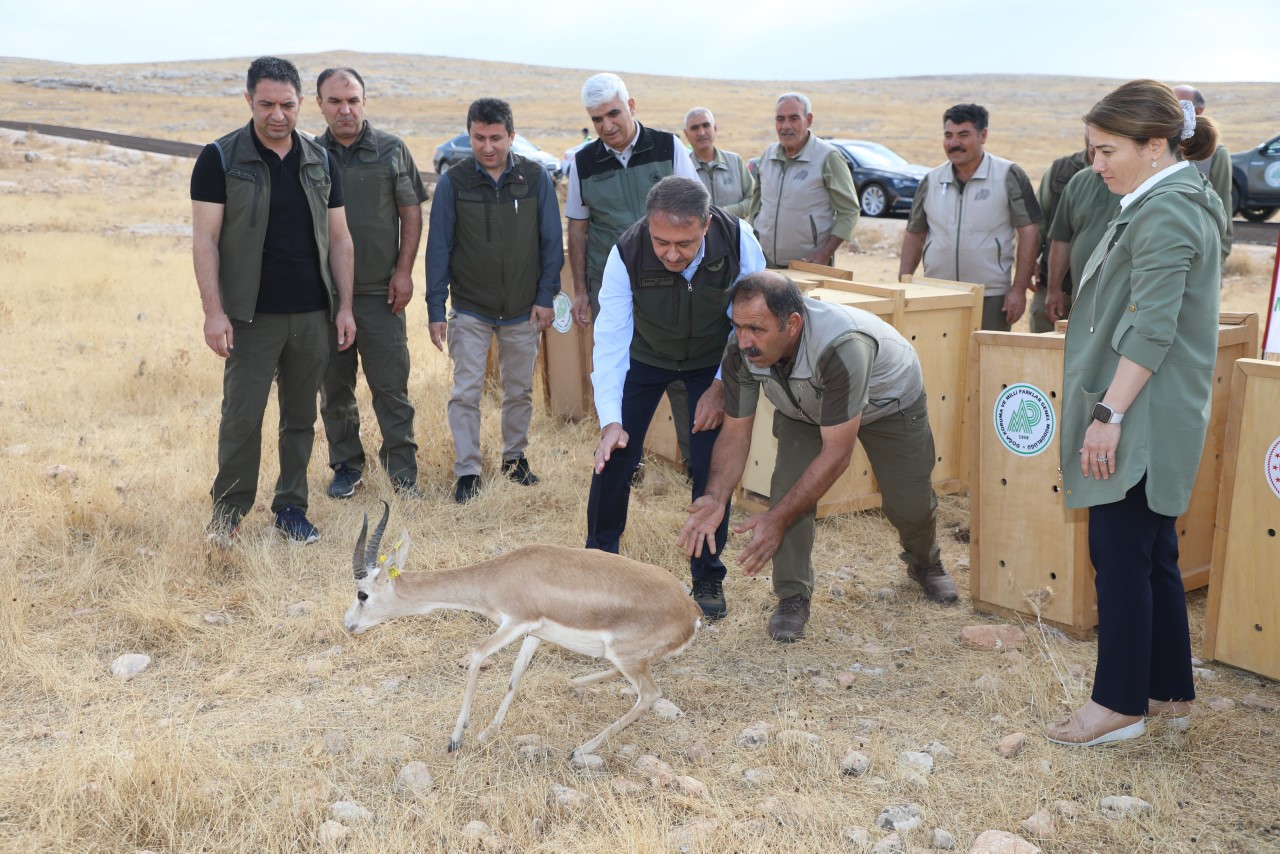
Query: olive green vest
column 248, row 205
column 682, row 325
column 616, row 195
column 372, row 170
column 496, row 257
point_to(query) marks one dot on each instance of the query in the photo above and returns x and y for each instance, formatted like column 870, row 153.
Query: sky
column 749, row 39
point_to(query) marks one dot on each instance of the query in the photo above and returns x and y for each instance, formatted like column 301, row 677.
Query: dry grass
column 219, row 745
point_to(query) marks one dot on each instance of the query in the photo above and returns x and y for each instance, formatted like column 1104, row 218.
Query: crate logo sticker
column 1024, row 419
column 1272, row 467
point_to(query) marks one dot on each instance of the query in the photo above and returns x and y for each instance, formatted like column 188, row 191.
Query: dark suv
column 1255, row 181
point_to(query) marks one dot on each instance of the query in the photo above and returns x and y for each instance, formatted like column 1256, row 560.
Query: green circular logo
column 1024, row 419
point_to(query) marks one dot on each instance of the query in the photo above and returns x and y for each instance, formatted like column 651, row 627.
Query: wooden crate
column 937, row 318
column 1022, row 543
column 1242, row 624
column 1022, row 537
column 567, row 365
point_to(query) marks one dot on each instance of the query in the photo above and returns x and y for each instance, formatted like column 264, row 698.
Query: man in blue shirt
column 494, row 249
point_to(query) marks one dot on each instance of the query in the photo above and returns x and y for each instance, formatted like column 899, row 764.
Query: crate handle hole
column 1271, row 532
column 1004, row 482
column 1055, row 487
column 1053, row 576
column 1002, row 564
column 1257, row 627
column 1053, row 394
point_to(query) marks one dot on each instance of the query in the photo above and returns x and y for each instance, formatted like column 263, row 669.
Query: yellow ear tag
column 382, row 558
column 398, row 544
column 393, row 572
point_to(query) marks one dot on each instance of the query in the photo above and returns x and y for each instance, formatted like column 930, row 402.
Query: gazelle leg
column 647, row 694
column 592, row 678
column 527, row 649
column 495, row 642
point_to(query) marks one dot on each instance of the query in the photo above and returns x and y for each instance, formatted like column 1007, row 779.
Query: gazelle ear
column 393, row 560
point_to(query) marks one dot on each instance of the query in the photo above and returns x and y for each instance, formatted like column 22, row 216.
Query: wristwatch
column 1105, row 414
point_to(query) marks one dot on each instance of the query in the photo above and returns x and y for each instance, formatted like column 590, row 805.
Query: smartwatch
column 1105, row 414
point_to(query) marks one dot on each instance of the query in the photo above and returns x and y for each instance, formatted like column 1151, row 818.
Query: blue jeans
column 611, row 489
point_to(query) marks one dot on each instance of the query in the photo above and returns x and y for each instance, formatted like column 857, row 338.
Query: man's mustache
column 956, row 148
column 751, row 351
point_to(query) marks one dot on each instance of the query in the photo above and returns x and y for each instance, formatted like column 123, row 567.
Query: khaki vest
column 244, row 217
column 795, row 215
column 496, row 258
column 722, row 177
column 616, row 195
column 682, row 325
column 971, row 236
column 895, row 383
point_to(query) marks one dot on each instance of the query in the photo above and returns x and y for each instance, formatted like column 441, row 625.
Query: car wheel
column 874, row 200
column 1258, row 214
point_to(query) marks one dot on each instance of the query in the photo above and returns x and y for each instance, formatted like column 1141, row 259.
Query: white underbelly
column 576, row 640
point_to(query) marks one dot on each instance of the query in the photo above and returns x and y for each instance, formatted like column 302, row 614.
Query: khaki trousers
column 293, row 350
column 382, row 348
column 900, row 449
column 468, row 339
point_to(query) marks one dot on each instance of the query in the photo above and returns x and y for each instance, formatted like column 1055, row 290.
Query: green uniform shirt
column 1085, row 209
column 378, row 177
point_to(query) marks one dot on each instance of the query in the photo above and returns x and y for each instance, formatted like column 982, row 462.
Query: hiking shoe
column 222, row 529
column 407, row 489
column 518, row 470
column 467, row 488
column 345, row 480
column 293, row 523
column 637, row 476
column 935, row 582
column 789, row 618
column 709, row 594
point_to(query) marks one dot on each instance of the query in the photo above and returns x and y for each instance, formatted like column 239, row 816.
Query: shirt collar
column 1125, row 201
column 511, row 163
column 688, row 272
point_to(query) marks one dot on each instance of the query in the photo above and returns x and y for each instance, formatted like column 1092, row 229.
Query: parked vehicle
column 570, row 152
column 459, row 148
column 886, row 181
column 1255, row 181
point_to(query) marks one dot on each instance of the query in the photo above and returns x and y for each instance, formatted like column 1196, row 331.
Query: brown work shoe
column 788, row 620
column 935, row 582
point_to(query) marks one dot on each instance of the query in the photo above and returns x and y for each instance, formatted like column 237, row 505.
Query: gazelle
column 632, row 614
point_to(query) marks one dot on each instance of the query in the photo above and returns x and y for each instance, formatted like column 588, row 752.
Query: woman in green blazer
column 1140, row 353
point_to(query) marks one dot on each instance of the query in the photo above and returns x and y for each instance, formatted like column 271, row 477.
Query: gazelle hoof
column 455, row 744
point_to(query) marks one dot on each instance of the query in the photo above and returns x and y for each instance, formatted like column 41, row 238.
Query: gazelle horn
column 357, row 558
column 371, row 555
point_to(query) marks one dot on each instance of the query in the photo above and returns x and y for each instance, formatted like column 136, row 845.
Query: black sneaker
column 467, row 488
column 345, row 480
column 293, row 523
column 709, row 594
column 518, row 470
column 407, row 489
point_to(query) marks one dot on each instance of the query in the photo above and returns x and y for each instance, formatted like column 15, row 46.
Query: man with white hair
column 723, row 173
column 609, row 181
column 1216, row 168
column 804, row 204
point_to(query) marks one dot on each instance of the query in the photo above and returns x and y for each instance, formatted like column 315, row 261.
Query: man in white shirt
column 664, row 317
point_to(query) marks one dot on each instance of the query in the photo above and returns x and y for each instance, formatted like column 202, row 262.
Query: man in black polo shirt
column 274, row 263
